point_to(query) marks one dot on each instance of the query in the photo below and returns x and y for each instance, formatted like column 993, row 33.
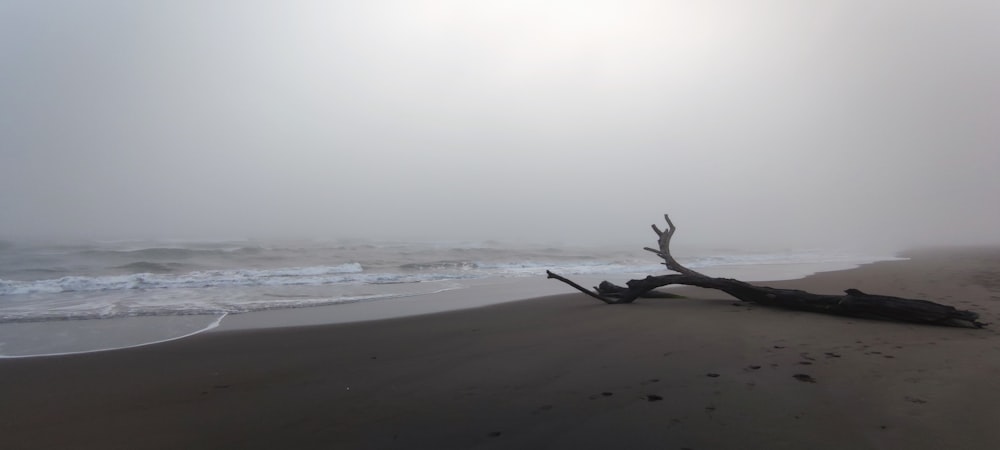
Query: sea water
column 70, row 298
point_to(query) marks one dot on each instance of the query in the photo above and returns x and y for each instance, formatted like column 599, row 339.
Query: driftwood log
column 852, row 303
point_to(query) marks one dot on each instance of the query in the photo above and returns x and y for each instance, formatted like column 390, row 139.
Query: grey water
column 66, row 298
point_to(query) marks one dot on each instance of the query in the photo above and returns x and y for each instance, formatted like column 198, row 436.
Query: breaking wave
column 441, row 265
column 150, row 267
column 317, row 275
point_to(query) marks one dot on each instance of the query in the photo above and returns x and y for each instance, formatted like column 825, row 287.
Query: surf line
column 210, row 326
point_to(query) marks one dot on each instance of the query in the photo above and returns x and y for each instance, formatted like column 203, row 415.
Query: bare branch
column 657, row 252
column 600, row 297
column 669, row 223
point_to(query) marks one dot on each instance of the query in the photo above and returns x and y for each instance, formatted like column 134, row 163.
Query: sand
column 561, row 372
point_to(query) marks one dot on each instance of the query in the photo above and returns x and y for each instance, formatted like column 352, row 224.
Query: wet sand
column 554, row 372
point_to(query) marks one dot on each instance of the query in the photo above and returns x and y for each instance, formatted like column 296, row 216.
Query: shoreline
column 559, row 372
column 98, row 335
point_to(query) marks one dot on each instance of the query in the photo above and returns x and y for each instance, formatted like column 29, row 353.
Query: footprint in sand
column 543, row 408
column 804, row 378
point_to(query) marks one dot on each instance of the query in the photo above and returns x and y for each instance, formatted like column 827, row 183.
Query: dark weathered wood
column 581, row 288
column 853, row 303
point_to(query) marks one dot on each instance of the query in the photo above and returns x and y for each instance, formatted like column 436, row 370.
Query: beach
column 559, row 372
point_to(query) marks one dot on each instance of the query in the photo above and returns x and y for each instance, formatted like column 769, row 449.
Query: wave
column 317, row 275
column 150, row 267
column 113, row 310
column 791, row 257
column 441, row 265
column 44, row 270
column 350, row 273
column 149, row 274
column 162, row 253
column 568, row 267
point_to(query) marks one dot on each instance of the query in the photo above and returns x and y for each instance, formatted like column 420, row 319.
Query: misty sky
column 765, row 122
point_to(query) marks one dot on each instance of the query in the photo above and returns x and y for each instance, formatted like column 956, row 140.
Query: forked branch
column 664, row 251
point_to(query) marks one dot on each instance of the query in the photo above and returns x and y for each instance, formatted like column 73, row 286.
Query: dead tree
column 853, row 303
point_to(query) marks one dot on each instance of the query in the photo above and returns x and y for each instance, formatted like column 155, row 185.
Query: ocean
column 69, row 298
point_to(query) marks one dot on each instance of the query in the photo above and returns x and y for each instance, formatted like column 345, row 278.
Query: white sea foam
column 351, row 273
column 570, row 268
column 316, row 275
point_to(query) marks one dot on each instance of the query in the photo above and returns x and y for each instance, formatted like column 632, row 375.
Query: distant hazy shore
column 554, row 372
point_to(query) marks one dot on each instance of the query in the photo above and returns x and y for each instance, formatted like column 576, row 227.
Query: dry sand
column 562, row 372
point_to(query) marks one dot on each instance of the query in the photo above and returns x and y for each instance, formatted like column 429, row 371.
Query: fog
column 751, row 122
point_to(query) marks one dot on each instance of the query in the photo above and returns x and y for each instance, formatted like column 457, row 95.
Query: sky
column 782, row 123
